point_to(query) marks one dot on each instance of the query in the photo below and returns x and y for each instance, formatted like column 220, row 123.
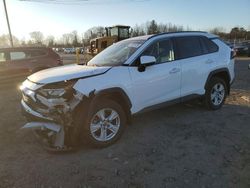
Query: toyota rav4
column 94, row 102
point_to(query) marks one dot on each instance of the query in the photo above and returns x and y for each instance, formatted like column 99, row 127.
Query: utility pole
column 7, row 18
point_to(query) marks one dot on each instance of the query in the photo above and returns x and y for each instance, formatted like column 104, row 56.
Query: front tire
column 105, row 123
column 216, row 93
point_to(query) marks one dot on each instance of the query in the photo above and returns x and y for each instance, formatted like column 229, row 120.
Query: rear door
column 195, row 64
column 18, row 66
column 38, row 59
column 26, row 61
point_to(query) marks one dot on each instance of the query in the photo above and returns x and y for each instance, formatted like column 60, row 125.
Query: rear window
column 188, row 47
column 210, row 46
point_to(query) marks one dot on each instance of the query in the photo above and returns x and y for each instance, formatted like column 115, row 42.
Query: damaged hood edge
column 67, row 72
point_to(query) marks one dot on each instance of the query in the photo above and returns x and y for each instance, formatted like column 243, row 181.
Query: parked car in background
column 16, row 63
column 69, row 50
column 242, row 48
column 230, row 44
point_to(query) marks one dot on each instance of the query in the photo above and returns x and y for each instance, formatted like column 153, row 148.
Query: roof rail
column 176, row 32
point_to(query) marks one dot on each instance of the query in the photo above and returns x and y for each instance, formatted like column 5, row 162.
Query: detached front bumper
column 51, row 116
column 44, row 127
column 32, row 114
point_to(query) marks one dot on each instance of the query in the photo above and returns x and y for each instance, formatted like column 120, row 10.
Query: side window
column 124, row 32
column 210, row 46
column 34, row 53
column 17, row 55
column 188, row 47
column 2, row 57
column 162, row 51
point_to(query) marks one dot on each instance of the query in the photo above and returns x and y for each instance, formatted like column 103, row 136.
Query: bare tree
column 4, row 41
column 152, row 27
column 217, row 30
column 66, row 39
column 94, row 32
column 74, row 38
column 138, row 30
column 37, row 37
column 50, row 41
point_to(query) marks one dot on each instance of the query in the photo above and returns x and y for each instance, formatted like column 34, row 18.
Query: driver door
column 160, row 82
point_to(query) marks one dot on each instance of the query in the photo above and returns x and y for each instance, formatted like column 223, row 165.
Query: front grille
column 33, row 104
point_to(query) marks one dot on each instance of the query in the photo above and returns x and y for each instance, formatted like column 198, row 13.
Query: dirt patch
column 180, row 146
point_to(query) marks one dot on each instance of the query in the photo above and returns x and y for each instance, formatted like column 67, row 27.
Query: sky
column 65, row 16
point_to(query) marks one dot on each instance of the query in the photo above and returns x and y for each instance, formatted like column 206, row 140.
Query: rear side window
column 189, row 46
column 35, row 53
column 210, row 46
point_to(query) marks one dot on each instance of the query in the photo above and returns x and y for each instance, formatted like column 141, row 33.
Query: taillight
column 233, row 53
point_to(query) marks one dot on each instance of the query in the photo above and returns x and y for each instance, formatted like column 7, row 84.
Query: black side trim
column 169, row 103
column 125, row 102
column 213, row 38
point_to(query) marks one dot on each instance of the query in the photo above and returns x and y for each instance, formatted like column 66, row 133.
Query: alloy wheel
column 105, row 124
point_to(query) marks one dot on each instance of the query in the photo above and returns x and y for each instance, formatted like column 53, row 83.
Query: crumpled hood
column 66, row 72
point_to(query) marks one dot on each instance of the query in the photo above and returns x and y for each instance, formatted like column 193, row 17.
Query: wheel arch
column 118, row 95
column 222, row 73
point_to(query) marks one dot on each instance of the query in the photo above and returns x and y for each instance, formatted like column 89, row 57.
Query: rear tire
column 216, row 93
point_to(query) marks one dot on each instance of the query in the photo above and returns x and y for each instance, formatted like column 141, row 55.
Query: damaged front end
column 49, row 110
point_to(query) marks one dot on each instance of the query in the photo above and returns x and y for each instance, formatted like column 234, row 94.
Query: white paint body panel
column 115, row 77
column 67, row 72
column 157, row 84
column 195, row 72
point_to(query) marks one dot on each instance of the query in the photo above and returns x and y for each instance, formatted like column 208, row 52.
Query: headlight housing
column 60, row 89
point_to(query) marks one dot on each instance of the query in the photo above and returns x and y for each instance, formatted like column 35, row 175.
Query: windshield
column 116, row 54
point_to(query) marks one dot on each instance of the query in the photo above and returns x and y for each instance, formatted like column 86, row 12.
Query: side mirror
column 249, row 66
column 146, row 61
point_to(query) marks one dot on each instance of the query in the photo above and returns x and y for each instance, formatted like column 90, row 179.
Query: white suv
column 94, row 102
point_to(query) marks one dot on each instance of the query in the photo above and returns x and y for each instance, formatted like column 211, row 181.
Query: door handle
column 174, row 70
column 209, row 61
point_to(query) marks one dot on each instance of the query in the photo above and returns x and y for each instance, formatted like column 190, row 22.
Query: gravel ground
column 180, row 146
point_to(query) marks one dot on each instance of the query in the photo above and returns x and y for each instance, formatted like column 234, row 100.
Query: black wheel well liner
column 221, row 73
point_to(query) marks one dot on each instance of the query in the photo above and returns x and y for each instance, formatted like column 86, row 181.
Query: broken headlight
column 60, row 89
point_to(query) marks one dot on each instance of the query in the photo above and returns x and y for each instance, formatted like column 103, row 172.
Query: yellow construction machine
column 113, row 34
